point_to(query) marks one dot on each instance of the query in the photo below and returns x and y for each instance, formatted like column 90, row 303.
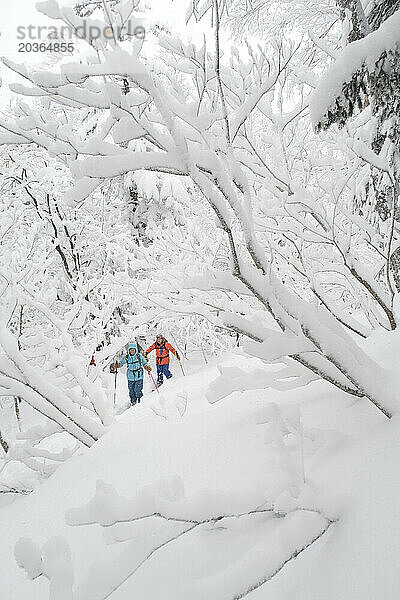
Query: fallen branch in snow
column 12, row 490
column 111, row 511
column 189, row 526
column 149, row 555
column 109, row 571
column 295, row 554
column 192, row 525
column 203, row 521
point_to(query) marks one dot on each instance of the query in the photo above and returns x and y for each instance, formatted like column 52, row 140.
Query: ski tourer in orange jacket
column 162, row 348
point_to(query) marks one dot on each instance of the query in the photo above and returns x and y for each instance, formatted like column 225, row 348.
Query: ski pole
column 154, row 381
column 183, row 372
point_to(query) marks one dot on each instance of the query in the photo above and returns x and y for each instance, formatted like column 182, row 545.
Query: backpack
column 162, row 347
column 130, row 365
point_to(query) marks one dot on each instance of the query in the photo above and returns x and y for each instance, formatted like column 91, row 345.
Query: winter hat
column 132, row 345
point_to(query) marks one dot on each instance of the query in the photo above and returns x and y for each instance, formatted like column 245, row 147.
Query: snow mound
column 266, row 493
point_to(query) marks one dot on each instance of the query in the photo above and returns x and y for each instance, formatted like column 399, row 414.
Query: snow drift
column 183, row 498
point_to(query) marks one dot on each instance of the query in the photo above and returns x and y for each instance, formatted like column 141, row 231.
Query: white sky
column 15, row 13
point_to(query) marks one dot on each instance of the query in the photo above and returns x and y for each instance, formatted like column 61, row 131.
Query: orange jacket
column 162, row 351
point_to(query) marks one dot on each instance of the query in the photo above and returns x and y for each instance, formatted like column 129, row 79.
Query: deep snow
column 197, row 461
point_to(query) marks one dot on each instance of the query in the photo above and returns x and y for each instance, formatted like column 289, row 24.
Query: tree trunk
column 3, row 444
column 17, row 402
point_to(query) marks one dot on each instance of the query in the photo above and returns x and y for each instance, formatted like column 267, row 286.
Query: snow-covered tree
column 158, row 185
column 367, row 88
column 233, row 126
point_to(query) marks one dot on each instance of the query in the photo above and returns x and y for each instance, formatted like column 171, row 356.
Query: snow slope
column 200, row 500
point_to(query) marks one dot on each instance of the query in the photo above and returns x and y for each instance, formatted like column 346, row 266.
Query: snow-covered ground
column 200, row 500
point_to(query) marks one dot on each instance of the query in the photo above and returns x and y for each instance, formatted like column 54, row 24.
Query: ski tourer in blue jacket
column 135, row 363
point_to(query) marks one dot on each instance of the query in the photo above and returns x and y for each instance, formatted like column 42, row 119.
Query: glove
column 148, row 368
column 177, row 355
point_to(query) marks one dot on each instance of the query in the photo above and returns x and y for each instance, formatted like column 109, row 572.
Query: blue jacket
column 134, row 364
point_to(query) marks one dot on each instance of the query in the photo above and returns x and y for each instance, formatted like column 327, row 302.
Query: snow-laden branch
column 360, row 53
column 21, row 379
column 275, row 201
